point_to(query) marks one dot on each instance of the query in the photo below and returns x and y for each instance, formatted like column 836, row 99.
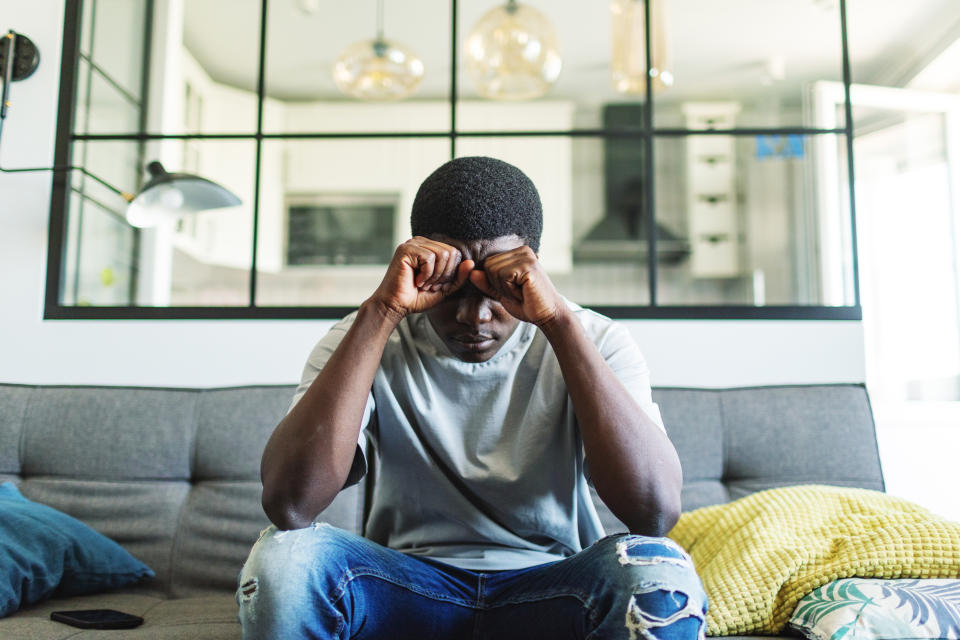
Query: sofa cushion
column 141, row 516
column 13, row 406
column 86, row 432
column 216, row 528
column 200, row 618
column 779, row 436
column 233, row 426
column 695, row 423
column 43, row 550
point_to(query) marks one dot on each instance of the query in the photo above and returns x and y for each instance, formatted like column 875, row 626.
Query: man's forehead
column 479, row 250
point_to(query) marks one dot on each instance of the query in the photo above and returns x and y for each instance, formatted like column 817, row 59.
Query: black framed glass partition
column 682, row 165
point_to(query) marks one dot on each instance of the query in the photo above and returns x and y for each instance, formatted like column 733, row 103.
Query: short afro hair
column 478, row 198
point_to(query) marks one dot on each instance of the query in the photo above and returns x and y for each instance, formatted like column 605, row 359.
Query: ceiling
column 716, row 47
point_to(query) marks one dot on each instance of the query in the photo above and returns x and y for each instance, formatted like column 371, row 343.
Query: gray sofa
column 172, row 475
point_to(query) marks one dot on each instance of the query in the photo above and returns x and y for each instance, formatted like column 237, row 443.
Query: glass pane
column 908, row 242
column 583, row 35
column 111, row 67
column 120, row 164
column 202, row 259
column 893, row 46
column 100, row 260
column 331, row 214
column 594, row 237
column 765, row 220
column 81, row 119
column 117, row 47
column 756, row 57
column 103, row 107
column 306, row 39
column 203, row 68
column 86, row 27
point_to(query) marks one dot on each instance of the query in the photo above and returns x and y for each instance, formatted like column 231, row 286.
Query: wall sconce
column 166, row 197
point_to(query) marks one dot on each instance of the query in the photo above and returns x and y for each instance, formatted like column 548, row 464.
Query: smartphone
column 97, row 619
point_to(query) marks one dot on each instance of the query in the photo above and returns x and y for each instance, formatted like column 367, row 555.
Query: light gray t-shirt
column 480, row 465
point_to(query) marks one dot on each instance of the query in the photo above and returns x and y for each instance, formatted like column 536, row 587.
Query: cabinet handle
column 712, row 160
column 714, row 198
column 715, row 238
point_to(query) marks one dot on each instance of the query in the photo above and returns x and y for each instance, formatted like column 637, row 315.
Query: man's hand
column 422, row 273
column 516, row 280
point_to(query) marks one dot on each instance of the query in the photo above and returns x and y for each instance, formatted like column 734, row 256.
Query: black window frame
column 61, row 189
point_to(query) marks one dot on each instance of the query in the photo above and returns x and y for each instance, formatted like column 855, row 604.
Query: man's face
column 472, row 325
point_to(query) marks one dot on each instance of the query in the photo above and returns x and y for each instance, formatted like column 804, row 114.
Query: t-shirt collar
column 423, row 328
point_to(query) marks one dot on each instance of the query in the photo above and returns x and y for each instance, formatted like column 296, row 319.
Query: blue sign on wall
column 789, row 146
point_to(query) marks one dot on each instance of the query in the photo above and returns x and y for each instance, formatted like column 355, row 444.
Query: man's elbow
column 287, row 513
column 654, row 525
column 285, row 518
column 658, row 516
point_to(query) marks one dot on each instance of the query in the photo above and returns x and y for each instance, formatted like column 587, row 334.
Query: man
column 490, row 402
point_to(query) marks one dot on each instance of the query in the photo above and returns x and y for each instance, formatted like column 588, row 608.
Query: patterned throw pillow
column 877, row 609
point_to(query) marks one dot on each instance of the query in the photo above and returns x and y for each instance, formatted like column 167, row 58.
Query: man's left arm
column 633, row 465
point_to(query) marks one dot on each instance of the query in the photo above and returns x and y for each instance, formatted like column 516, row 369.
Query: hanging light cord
column 5, row 106
column 379, row 20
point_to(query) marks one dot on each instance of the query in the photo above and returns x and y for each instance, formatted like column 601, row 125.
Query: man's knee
column 285, row 577
column 282, row 560
column 664, row 595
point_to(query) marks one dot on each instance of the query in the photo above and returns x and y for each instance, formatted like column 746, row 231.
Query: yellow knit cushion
column 759, row 555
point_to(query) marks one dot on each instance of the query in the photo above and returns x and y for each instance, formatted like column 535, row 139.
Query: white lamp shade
column 168, row 197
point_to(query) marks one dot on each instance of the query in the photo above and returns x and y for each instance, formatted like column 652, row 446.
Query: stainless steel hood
column 621, row 234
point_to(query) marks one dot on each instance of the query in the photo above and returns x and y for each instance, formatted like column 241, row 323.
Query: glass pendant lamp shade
column 512, row 53
column 628, row 62
column 168, row 197
column 378, row 69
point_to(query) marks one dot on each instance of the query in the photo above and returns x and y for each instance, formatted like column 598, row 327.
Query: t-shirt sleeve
column 623, row 355
column 315, row 363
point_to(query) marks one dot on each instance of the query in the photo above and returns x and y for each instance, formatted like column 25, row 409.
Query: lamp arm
column 7, row 74
column 123, row 194
column 5, row 105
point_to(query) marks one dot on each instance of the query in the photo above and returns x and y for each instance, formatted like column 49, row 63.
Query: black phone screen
column 97, row 619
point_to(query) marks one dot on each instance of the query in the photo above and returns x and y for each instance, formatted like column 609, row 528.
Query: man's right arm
column 308, row 457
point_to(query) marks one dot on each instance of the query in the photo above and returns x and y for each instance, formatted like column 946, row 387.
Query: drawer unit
column 711, row 197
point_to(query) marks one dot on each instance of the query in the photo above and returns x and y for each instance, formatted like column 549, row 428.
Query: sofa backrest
column 173, row 474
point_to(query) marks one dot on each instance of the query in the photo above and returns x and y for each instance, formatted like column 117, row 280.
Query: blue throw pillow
column 43, row 551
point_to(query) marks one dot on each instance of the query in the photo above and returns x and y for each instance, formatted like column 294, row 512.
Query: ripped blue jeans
column 323, row 582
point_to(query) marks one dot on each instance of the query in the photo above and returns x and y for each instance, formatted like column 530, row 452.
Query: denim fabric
column 323, row 582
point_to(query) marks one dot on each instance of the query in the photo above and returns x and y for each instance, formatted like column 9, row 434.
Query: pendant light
column 512, row 53
column 628, row 62
column 378, row 69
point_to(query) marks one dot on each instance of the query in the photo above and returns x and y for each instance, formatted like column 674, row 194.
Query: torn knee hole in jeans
column 248, row 589
column 653, row 607
column 647, row 551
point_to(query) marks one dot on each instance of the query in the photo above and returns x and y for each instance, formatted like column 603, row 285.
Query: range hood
column 621, row 234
